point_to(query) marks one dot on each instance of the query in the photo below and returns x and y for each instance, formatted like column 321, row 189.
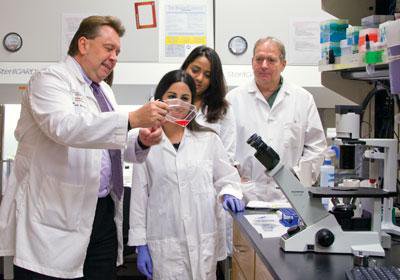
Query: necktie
column 115, row 155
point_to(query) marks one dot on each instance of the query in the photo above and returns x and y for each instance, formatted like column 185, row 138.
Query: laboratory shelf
column 352, row 67
column 350, row 62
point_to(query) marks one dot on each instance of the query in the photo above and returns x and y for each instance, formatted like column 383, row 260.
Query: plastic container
column 373, row 21
column 326, row 47
column 372, row 36
column 333, row 30
column 334, row 24
column 327, row 179
column 180, row 112
column 352, row 34
column 345, row 49
column 373, row 57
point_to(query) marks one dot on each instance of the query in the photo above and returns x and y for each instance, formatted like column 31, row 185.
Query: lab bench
column 257, row 258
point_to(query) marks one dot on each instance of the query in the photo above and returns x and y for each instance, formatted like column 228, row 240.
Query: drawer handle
column 240, row 249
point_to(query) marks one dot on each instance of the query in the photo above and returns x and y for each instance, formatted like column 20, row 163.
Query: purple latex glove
column 144, row 262
column 232, row 203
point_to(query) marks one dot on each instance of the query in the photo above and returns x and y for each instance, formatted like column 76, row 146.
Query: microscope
column 355, row 153
column 320, row 231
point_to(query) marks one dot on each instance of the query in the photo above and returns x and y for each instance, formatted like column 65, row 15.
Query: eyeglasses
column 270, row 60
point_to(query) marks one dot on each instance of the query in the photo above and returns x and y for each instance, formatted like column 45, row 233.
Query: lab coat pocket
column 200, row 175
column 209, row 254
column 60, row 204
column 168, row 259
column 292, row 134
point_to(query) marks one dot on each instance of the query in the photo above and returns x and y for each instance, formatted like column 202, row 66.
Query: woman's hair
column 214, row 96
column 177, row 76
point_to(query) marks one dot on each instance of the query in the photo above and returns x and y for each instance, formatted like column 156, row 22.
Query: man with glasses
column 283, row 114
column 61, row 216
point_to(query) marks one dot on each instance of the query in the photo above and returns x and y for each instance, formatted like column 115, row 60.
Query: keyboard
column 373, row 273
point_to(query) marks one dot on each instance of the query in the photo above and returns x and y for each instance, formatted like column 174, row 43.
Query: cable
column 397, row 136
column 391, row 7
column 369, row 129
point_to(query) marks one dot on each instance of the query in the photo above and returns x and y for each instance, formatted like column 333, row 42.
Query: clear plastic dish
column 180, row 112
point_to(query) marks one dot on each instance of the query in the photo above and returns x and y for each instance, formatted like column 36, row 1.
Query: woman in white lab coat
column 204, row 65
column 176, row 215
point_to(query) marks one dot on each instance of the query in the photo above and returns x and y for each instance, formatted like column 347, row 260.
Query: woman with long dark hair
column 204, row 66
column 178, row 194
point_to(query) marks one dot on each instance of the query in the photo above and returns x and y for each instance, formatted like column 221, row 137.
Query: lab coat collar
column 73, row 65
column 77, row 71
column 285, row 88
column 168, row 145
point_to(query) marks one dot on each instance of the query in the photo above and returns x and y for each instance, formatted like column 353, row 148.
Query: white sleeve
column 228, row 134
column 226, row 177
column 314, row 141
column 133, row 152
column 138, row 206
column 51, row 100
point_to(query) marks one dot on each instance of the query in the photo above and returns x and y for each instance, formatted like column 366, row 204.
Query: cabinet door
column 243, row 253
column 237, row 273
column 261, row 271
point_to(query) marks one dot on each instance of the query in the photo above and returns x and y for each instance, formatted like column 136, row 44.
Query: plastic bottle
column 327, row 179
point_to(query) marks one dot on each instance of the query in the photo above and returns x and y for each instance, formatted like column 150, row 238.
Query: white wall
column 39, row 23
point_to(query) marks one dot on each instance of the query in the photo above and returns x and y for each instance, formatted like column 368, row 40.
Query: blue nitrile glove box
column 288, row 217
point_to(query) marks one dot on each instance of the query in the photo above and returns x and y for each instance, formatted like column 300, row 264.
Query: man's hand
column 150, row 136
column 151, row 114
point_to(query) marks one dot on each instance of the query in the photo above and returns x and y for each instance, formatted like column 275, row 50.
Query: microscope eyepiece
column 265, row 154
column 255, row 141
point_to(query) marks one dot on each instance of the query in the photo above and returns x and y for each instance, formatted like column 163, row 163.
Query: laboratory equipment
column 180, row 112
column 327, row 178
column 320, row 231
column 351, row 161
column 389, row 157
column 373, row 273
column 288, row 217
column 347, row 118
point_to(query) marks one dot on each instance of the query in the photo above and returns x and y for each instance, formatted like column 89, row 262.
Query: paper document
column 267, row 225
column 268, row 205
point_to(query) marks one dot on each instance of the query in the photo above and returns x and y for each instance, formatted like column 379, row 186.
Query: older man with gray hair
column 283, row 114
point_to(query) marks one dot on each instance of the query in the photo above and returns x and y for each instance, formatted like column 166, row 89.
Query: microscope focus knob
column 324, row 237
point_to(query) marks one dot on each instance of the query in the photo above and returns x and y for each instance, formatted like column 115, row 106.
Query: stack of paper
column 267, row 225
column 268, row 205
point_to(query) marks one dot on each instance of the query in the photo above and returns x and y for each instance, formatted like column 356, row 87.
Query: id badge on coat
column 79, row 102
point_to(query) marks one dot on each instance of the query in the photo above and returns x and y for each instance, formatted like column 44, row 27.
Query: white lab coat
column 292, row 127
column 47, row 212
column 176, row 207
column 226, row 129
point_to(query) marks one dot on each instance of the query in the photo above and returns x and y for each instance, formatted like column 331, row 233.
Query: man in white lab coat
column 283, row 114
column 61, row 216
